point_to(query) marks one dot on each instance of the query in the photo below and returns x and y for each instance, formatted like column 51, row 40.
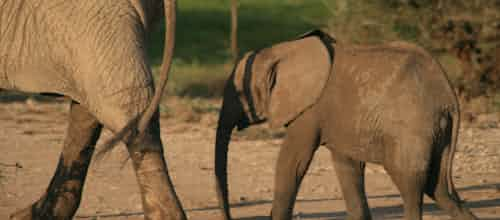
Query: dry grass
column 205, row 112
column 260, row 132
column 191, row 110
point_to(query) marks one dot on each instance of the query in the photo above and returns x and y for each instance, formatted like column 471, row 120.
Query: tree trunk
column 234, row 30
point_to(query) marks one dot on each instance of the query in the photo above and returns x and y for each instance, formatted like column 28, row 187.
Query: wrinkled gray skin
column 93, row 52
column 390, row 104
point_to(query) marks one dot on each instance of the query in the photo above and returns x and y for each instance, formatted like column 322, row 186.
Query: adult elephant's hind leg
column 64, row 192
column 302, row 140
column 158, row 196
column 350, row 174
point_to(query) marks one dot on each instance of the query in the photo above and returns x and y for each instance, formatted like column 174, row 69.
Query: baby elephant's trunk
column 221, row 148
column 230, row 115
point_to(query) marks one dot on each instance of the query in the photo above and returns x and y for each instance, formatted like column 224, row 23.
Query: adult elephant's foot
column 23, row 214
column 61, row 207
column 159, row 198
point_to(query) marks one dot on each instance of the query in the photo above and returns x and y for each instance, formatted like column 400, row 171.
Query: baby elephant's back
column 391, row 74
column 378, row 91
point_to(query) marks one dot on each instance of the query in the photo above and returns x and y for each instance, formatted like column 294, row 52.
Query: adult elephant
column 389, row 104
column 93, row 52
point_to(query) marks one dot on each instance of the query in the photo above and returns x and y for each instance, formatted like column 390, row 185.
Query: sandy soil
column 32, row 133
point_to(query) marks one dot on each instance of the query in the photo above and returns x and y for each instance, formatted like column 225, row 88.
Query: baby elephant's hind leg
column 302, row 140
column 64, row 192
column 350, row 174
column 439, row 190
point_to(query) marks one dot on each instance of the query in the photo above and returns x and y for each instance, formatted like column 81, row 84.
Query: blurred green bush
column 463, row 35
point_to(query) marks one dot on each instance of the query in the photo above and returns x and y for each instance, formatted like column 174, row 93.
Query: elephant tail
column 455, row 118
column 138, row 125
column 453, row 115
column 168, row 54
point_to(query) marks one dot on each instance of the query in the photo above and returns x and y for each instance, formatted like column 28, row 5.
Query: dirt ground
column 32, row 134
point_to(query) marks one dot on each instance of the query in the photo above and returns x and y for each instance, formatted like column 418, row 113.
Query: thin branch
column 15, row 165
column 110, row 215
column 234, row 30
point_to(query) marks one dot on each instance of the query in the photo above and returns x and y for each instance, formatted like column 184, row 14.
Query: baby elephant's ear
column 251, row 82
column 302, row 70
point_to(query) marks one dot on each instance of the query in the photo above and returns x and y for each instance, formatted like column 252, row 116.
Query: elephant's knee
column 149, row 140
column 145, row 147
column 148, row 161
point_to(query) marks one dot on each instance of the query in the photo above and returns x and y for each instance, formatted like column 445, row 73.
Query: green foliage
column 452, row 65
column 406, row 30
column 196, row 80
column 462, row 34
column 496, row 102
column 361, row 21
column 202, row 59
column 203, row 27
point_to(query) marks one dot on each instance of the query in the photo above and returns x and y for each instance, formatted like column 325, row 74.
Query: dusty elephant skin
column 390, row 104
column 94, row 53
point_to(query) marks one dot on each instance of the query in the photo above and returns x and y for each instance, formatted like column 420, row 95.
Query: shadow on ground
column 13, row 96
column 389, row 212
column 392, row 212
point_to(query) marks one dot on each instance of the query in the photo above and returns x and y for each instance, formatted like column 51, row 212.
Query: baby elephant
column 390, row 104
